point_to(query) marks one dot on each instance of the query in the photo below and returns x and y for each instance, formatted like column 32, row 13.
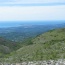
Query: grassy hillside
column 50, row 45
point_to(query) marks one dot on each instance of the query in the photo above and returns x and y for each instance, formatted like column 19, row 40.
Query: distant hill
column 28, row 30
column 50, row 45
column 7, row 46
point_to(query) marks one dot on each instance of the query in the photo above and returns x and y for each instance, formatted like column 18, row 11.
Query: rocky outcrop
column 50, row 62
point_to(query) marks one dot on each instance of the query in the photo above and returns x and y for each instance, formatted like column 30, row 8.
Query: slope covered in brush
column 50, row 45
column 7, row 46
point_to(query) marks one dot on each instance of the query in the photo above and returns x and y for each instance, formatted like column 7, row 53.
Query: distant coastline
column 6, row 24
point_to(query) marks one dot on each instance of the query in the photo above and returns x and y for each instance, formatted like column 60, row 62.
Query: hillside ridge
column 47, row 46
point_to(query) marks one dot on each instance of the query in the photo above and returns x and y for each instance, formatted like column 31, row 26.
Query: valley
column 32, row 43
column 32, row 32
column 28, row 29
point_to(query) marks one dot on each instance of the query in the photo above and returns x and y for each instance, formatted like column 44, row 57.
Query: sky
column 32, row 10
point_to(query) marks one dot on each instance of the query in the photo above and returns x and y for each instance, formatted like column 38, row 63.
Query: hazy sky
column 26, row 10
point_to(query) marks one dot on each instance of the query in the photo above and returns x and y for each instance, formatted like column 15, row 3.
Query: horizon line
column 33, row 21
column 34, row 4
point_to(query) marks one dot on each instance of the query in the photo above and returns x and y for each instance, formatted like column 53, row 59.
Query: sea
column 6, row 24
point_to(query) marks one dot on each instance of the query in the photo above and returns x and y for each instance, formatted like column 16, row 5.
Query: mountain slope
column 50, row 45
column 7, row 46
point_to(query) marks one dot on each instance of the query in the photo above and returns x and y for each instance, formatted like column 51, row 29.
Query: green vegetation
column 7, row 46
column 50, row 45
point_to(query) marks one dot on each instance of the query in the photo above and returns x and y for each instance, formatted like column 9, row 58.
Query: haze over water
column 22, row 23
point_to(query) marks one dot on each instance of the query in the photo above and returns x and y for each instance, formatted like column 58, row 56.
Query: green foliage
column 50, row 45
column 7, row 46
